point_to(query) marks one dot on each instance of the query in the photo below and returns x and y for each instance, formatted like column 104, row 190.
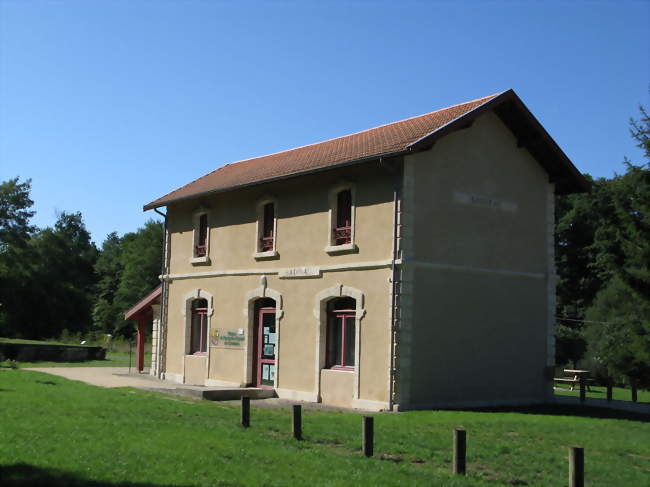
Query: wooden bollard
column 245, row 411
column 633, row 388
column 460, row 449
column 368, row 435
column 297, row 421
column 609, row 391
column 583, row 393
column 576, row 466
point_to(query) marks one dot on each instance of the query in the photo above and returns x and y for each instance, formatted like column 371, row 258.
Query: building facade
column 407, row 266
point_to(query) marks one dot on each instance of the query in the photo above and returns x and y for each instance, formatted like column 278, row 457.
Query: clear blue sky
column 108, row 105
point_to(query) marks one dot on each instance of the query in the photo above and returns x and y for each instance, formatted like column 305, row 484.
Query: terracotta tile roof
column 377, row 141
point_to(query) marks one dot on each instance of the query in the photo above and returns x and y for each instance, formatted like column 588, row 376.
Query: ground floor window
column 341, row 324
column 199, row 331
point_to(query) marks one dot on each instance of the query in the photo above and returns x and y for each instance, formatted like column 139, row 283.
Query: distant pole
column 576, row 466
column 633, row 388
column 583, row 394
column 609, row 390
column 460, row 450
column 245, row 411
column 368, row 435
column 297, row 421
column 130, row 346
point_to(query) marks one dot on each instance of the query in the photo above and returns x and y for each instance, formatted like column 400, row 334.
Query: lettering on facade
column 484, row 201
column 298, row 272
column 223, row 338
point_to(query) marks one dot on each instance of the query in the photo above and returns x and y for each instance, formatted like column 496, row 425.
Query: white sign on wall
column 484, row 201
column 297, row 272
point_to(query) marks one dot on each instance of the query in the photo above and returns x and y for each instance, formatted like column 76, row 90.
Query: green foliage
column 109, row 270
column 15, row 255
column 603, row 259
column 127, row 269
column 618, row 332
column 15, row 212
column 61, row 280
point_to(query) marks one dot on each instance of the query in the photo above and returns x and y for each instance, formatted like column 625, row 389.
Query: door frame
column 258, row 361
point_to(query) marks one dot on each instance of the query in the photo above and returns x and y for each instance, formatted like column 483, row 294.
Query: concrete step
column 225, row 394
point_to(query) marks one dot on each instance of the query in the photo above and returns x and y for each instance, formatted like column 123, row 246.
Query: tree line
column 55, row 281
column 602, row 250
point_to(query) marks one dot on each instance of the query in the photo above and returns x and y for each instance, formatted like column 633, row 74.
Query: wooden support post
column 633, row 388
column 297, row 421
column 368, row 435
column 245, row 411
column 140, row 344
column 583, row 394
column 576, row 466
column 609, row 391
column 460, row 450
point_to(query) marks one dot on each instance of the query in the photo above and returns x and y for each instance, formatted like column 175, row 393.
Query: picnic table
column 575, row 376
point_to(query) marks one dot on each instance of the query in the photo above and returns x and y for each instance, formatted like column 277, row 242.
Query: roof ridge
column 329, row 140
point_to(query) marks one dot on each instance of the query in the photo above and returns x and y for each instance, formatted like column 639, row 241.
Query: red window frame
column 342, row 231
column 201, row 247
column 348, row 318
column 202, row 314
column 268, row 224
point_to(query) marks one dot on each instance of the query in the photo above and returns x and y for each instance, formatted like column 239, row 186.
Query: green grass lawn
column 59, row 432
column 598, row 392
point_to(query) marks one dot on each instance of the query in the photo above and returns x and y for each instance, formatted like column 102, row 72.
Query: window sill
column 268, row 255
column 197, row 354
column 340, row 368
column 342, row 249
column 200, row 260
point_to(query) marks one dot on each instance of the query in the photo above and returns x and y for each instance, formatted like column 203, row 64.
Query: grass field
column 598, row 392
column 59, row 432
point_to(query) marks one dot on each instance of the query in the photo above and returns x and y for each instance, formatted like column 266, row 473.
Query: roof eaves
column 153, row 204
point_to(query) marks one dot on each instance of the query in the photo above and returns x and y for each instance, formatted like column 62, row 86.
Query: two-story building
column 406, row 266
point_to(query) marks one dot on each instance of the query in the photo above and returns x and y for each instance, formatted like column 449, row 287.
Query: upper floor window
column 343, row 229
column 268, row 226
column 201, row 240
column 342, row 215
column 267, row 229
column 201, row 248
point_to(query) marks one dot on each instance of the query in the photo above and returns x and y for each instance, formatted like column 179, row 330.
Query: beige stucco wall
column 303, row 226
column 478, row 262
column 303, row 222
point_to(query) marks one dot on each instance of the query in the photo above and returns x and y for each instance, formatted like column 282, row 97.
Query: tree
column 618, row 332
column 15, row 212
column 15, row 255
column 108, row 269
column 586, row 253
column 603, row 259
column 128, row 269
column 61, row 281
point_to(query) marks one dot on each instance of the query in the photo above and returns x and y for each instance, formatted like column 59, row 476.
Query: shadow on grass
column 584, row 411
column 24, row 475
